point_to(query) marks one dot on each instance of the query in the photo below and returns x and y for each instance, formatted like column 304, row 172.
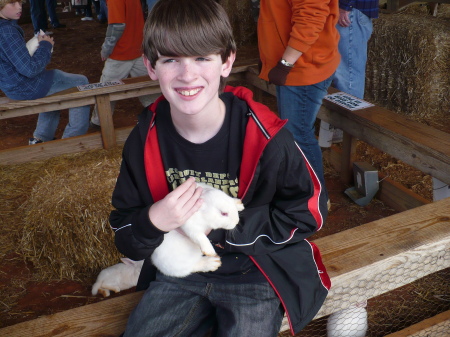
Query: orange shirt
column 129, row 12
column 308, row 26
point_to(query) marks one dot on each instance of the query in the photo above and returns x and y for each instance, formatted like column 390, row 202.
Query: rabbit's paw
column 207, row 263
column 212, row 263
column 209, row 251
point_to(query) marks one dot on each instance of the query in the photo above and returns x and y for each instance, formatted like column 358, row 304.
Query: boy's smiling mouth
column 188, row 92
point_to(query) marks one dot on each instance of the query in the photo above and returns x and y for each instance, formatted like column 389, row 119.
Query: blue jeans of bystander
column 300, row 105
column 178, row 307
column 39, row 14
column 78, row 117
column 350, row 76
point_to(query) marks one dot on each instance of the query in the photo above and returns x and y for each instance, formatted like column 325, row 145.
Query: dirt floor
column 23, row 296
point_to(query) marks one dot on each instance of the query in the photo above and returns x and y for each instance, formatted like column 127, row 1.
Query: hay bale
column 66, row 233
column 408, row 67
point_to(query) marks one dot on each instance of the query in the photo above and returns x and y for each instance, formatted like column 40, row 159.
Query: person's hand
column 344, row 18
column 278, row 74
column 46, row 38
column 176, row 207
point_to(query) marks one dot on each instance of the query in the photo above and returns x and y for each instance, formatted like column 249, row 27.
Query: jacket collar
column 262, row 125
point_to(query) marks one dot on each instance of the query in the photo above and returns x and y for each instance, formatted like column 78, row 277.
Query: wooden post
column 348, row 157
column 106, row 121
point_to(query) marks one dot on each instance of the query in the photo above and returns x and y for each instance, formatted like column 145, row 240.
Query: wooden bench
column 380, row 256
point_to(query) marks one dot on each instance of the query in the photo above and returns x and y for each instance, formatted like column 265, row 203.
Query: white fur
column 118, row 277
column 33, row 43
column 350, row 322
column 180, row 255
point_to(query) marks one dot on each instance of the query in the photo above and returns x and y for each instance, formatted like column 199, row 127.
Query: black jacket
column 284, row 204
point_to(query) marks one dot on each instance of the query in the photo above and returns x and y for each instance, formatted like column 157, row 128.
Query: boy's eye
column 168, row 60
column 201, row 58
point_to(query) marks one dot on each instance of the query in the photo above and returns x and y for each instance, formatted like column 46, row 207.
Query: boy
column 230, row 142
column 24, row 77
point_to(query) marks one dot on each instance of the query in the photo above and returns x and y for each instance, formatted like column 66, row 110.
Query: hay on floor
column 65, row 230
column 408, row 67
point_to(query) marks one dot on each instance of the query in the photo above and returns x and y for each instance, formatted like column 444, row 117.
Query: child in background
column 24, row 77
column 201, row 130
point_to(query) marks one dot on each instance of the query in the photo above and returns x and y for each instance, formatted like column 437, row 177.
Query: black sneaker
column 33, row 141
column 60, row 25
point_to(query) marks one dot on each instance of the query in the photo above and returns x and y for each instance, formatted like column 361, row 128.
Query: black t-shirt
column 217, row 163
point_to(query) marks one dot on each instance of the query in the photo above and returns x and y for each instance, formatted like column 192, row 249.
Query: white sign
column 348, row 101
column 91, row 86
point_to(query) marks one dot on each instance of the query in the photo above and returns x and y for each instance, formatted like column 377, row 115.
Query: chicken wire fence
column 387, row 302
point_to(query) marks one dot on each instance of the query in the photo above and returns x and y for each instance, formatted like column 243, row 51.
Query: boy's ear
column 228, row 65
column 150, row 69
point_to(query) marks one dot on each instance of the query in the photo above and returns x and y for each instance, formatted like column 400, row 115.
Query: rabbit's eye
column 224, row 213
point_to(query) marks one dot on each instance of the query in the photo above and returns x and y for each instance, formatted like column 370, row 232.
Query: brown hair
column 187, row 28
column 3, row 3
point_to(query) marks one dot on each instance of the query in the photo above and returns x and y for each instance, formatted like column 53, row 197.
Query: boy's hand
column 176, row 207
column 46, row 38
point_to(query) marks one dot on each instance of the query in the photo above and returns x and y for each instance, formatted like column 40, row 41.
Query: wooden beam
column 106, row 120
column 46, row 150
column 416, row 144
column 429, row 327
column 362, row 262
column 102, row 319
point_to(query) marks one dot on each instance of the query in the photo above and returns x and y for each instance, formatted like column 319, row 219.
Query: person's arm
column 113, row 34
column 308, row 20
column 19, row 57
column 139, row 223
column 298, row 207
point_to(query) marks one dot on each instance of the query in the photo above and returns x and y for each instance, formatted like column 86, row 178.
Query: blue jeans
column 350, row 76
column 88, row 8
column 103, row 14
column 300, row 105
column 178, row 307
column 150, row 4
column 39, row 14
column 78, row 116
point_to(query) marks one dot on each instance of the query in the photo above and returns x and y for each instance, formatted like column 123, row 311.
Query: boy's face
column 190, row 84
column 11, row 11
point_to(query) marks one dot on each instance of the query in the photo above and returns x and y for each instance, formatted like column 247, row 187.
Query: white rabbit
column 118, row 277
column 350, row 322
column 180, row 255
column 33, row 43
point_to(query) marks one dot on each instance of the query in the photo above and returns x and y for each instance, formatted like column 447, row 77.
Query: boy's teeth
column 189, row 92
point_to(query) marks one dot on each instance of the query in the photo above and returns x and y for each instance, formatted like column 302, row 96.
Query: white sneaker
column 87, row 18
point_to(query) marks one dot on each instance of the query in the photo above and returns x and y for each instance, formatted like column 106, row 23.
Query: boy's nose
column 187, row 71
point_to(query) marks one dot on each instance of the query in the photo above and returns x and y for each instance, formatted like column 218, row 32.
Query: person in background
column 39, row 15
column 355, row 28
column 88, row 10
column 201, row 130
column 121, row 50
column 298, row 47
column 24, row 77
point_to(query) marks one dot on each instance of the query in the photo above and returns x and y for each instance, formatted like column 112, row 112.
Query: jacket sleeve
column 135, row 236
column 308, row 21
column 17, row 53
column 286, row 203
